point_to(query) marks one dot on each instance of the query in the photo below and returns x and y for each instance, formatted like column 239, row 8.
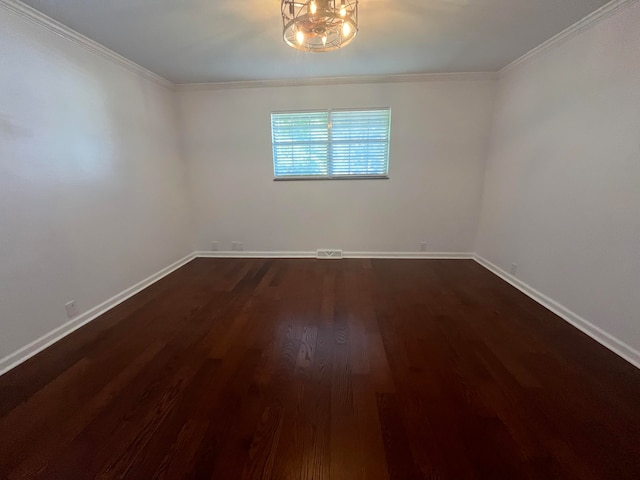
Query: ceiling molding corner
column 587, row 22
column 306, row 82
column 34, row 16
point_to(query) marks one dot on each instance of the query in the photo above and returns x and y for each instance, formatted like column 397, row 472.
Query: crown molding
column 587, row 22
column 306, row 82
column 28, row 13
column 34, row 16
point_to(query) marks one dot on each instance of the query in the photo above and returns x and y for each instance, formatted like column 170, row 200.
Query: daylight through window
column 331, row 144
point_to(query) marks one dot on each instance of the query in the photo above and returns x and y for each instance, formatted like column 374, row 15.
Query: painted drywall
column 439, row 136
column 92, row 190
column 562, row 189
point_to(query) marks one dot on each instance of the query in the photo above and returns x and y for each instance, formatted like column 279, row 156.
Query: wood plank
column 306, row 369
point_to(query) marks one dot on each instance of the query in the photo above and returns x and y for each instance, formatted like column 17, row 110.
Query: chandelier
column 319, row 25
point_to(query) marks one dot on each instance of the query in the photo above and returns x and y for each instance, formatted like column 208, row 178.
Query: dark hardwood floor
column 304, row 369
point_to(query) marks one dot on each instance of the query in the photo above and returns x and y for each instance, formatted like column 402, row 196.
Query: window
column 331, row 144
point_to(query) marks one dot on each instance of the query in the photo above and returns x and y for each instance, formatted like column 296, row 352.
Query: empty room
column 320, row 239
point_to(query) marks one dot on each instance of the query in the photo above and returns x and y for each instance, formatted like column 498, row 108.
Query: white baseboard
column 19, row 356
column 397, row 255
column 243, row 254
column 612, row 343
column 411, row 255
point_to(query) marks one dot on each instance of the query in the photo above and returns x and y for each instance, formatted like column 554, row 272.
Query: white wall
column 92, row 191
column 562, row 191
column 439, row 134
column 93, row 194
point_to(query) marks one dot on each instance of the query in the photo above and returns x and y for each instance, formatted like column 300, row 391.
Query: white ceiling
column 194, row 41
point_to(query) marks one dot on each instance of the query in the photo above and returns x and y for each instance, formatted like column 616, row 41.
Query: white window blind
column 331, row 144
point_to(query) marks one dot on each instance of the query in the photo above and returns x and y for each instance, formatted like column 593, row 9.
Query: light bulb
column 313, row 7
column 300, row 37
column 346, row 29
column 343, row 11
column 324, row 40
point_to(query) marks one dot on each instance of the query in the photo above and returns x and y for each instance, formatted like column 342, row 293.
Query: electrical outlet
column 237, row 246
column 72, row 308
column 514, row 269
column 214, row 246
column 423, row 247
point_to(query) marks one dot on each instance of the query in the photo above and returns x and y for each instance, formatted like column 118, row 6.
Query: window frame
column 329, row 176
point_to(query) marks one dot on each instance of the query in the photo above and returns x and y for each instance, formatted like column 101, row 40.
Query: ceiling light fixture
column 319, row 25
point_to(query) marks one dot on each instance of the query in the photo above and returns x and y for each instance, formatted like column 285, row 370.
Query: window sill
column 338, row 177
